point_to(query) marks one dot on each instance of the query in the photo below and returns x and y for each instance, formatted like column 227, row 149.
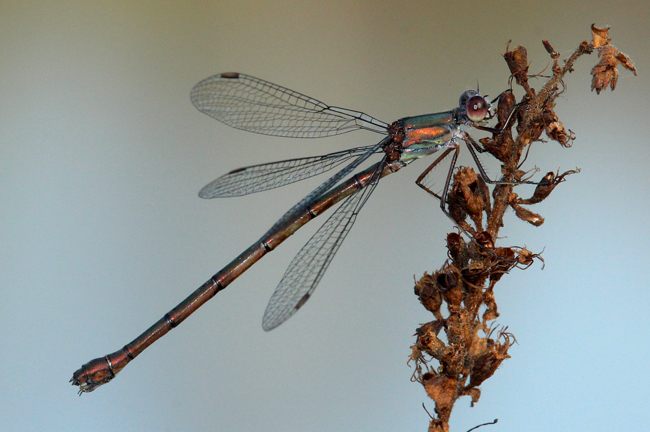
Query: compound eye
column 476, row 108
column 467, row 94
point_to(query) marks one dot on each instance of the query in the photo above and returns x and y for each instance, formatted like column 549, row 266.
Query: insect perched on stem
column 254, row 105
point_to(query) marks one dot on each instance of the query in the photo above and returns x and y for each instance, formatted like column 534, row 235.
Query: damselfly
column 254, row 105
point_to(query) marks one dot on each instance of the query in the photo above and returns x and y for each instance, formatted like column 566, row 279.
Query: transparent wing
column 308, row 266
column 255, row 105
column 257, row 178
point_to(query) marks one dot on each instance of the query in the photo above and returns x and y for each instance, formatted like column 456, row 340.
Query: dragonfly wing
column 257, row 178
column 255, row 105
column 308, row 267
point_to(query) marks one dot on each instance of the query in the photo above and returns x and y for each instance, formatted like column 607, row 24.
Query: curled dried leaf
column 527, row 215
column 600, row 36
column 605, row 73
column 626, row 62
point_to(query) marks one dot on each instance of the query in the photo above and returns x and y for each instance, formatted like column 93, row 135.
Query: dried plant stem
column 472, row 347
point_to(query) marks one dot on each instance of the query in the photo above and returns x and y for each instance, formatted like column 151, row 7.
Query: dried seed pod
column 545, row 187
column 487, row 363
column 448, row 282
column 484, row 192
column 491, row 311
column 550, row 50
column 427, row 339
column 475, row 274
column 455, row 208
column 505, row 109
column 468, row 192
column 504, row 263
column 429, row 295
column 484, row 238
column 441, row 389
column 517, row 61
column 457, row 247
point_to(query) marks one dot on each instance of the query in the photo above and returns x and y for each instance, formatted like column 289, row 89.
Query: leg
column 473, row 148
column 443, row 199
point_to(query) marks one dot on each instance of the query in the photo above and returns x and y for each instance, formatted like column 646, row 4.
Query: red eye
column 476, row 108
column 465, row 97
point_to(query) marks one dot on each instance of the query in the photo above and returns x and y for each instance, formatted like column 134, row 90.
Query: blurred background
column 101, row 230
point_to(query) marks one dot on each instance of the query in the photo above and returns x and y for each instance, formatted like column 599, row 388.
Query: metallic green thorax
column 427, row 134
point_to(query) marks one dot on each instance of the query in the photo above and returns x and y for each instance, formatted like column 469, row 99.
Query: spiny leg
column 473, row 148
column 443, row 199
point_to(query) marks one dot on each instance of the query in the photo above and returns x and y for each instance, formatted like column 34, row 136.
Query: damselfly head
column 476, row 106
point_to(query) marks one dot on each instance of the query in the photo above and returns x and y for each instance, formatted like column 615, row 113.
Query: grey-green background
column 102, row 232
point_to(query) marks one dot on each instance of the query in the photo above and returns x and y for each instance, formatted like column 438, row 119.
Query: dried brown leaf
column 527, row 215
column 605, row 73
column 600, row 36
column 626, row 62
